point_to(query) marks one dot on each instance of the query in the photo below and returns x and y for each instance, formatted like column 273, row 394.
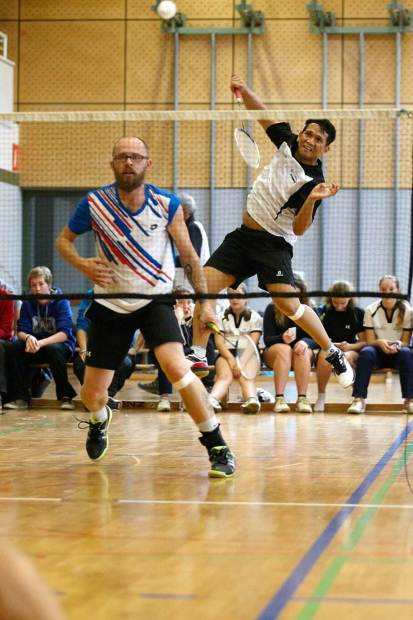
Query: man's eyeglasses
column 132, row 156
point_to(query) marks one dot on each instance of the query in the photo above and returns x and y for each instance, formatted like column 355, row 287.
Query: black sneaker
column 97, row 441
column 341, row 368
column 114, row 403
column 222, row 462
column 152, row 387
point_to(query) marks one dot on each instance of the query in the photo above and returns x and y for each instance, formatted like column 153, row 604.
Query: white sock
column 320, row 401
column 99, row 416
column 199, row 351
column 208, row 425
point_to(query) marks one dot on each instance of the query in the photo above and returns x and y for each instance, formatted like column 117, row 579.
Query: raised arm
column 250, row 98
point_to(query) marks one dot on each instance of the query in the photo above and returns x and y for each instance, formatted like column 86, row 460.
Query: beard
column 130, row 182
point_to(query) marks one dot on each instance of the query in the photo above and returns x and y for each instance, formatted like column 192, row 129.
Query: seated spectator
column 388, row 328
column 7, row 334
column 237, row 319
column 44, row 335
column 343, row 322
column 121, row 374
column 184, row 309
column 288, row 347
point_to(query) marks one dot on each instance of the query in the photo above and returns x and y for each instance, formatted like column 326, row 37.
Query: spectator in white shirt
column 388, row 329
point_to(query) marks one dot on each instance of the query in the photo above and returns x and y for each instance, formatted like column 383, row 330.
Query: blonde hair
column 40, row 272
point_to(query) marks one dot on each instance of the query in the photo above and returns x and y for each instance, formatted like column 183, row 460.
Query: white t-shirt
column 228, row 325
column 375, row 318
column 272, row 189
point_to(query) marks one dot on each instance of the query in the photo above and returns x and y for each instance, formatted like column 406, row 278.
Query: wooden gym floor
column 317, row 522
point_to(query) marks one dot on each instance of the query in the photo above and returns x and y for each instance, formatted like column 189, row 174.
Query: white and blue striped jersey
column 137, row 245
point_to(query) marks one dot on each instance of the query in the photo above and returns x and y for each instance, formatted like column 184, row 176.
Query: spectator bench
column 148, row 372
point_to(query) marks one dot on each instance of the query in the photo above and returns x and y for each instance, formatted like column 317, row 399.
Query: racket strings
column 247, row 147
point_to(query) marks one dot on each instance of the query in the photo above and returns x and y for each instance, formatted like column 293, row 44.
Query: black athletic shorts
column 246, row 252
column 110, row 334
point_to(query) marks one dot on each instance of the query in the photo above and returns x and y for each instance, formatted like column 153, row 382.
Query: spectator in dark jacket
column 288, row 347
column 343, row 322
column 45, row 334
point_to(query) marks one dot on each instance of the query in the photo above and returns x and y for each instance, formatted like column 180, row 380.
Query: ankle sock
column 212, row 439
column 99, row 416
column 209, row 425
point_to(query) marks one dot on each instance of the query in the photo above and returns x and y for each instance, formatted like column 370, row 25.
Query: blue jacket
column 82, row 322
column 43, row 321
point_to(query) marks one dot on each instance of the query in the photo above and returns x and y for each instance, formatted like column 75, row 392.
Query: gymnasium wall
column 112, row 55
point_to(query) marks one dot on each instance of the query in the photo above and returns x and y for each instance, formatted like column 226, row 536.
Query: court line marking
column 353, row 599
column 167, row 595
column 31, row 499
column 335, row 566
column 186, row 502
column 285, row 593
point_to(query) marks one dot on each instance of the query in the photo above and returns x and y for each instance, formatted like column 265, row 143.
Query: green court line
column 25, row 427
column 332, row 571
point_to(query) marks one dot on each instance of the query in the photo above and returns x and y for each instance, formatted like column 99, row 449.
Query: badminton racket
column 244, row 350
column 246, row 144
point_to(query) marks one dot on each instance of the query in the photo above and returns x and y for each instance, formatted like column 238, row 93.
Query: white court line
column 264, row 504
column 31, row 499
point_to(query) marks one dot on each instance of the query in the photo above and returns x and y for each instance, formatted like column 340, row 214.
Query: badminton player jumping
column 281, row 206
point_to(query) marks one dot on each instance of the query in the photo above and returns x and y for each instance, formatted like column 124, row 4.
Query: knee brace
column 298, row 314
column 184, row 381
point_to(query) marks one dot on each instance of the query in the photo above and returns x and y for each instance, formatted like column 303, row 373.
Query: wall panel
column 204, row 9
column 72, row 9
column 9, row 9
column 72, row 62
column 283, row 77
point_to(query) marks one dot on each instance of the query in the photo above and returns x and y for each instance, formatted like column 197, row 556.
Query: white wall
column 6, row 82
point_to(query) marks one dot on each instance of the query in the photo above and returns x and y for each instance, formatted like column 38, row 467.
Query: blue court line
column 286, row 591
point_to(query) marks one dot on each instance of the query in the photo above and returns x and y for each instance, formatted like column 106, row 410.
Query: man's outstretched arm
column 250, row 98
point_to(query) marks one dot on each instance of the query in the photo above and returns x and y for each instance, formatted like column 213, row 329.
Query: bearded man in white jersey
column 134, row 223
column 280, row 207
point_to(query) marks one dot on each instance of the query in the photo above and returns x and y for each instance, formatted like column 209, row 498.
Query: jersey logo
column 279, row 273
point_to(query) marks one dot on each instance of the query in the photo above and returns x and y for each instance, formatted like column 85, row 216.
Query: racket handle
column 213, row 327
column 237, row 94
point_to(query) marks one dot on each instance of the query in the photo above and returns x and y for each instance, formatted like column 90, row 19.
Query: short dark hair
column 324, row 124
